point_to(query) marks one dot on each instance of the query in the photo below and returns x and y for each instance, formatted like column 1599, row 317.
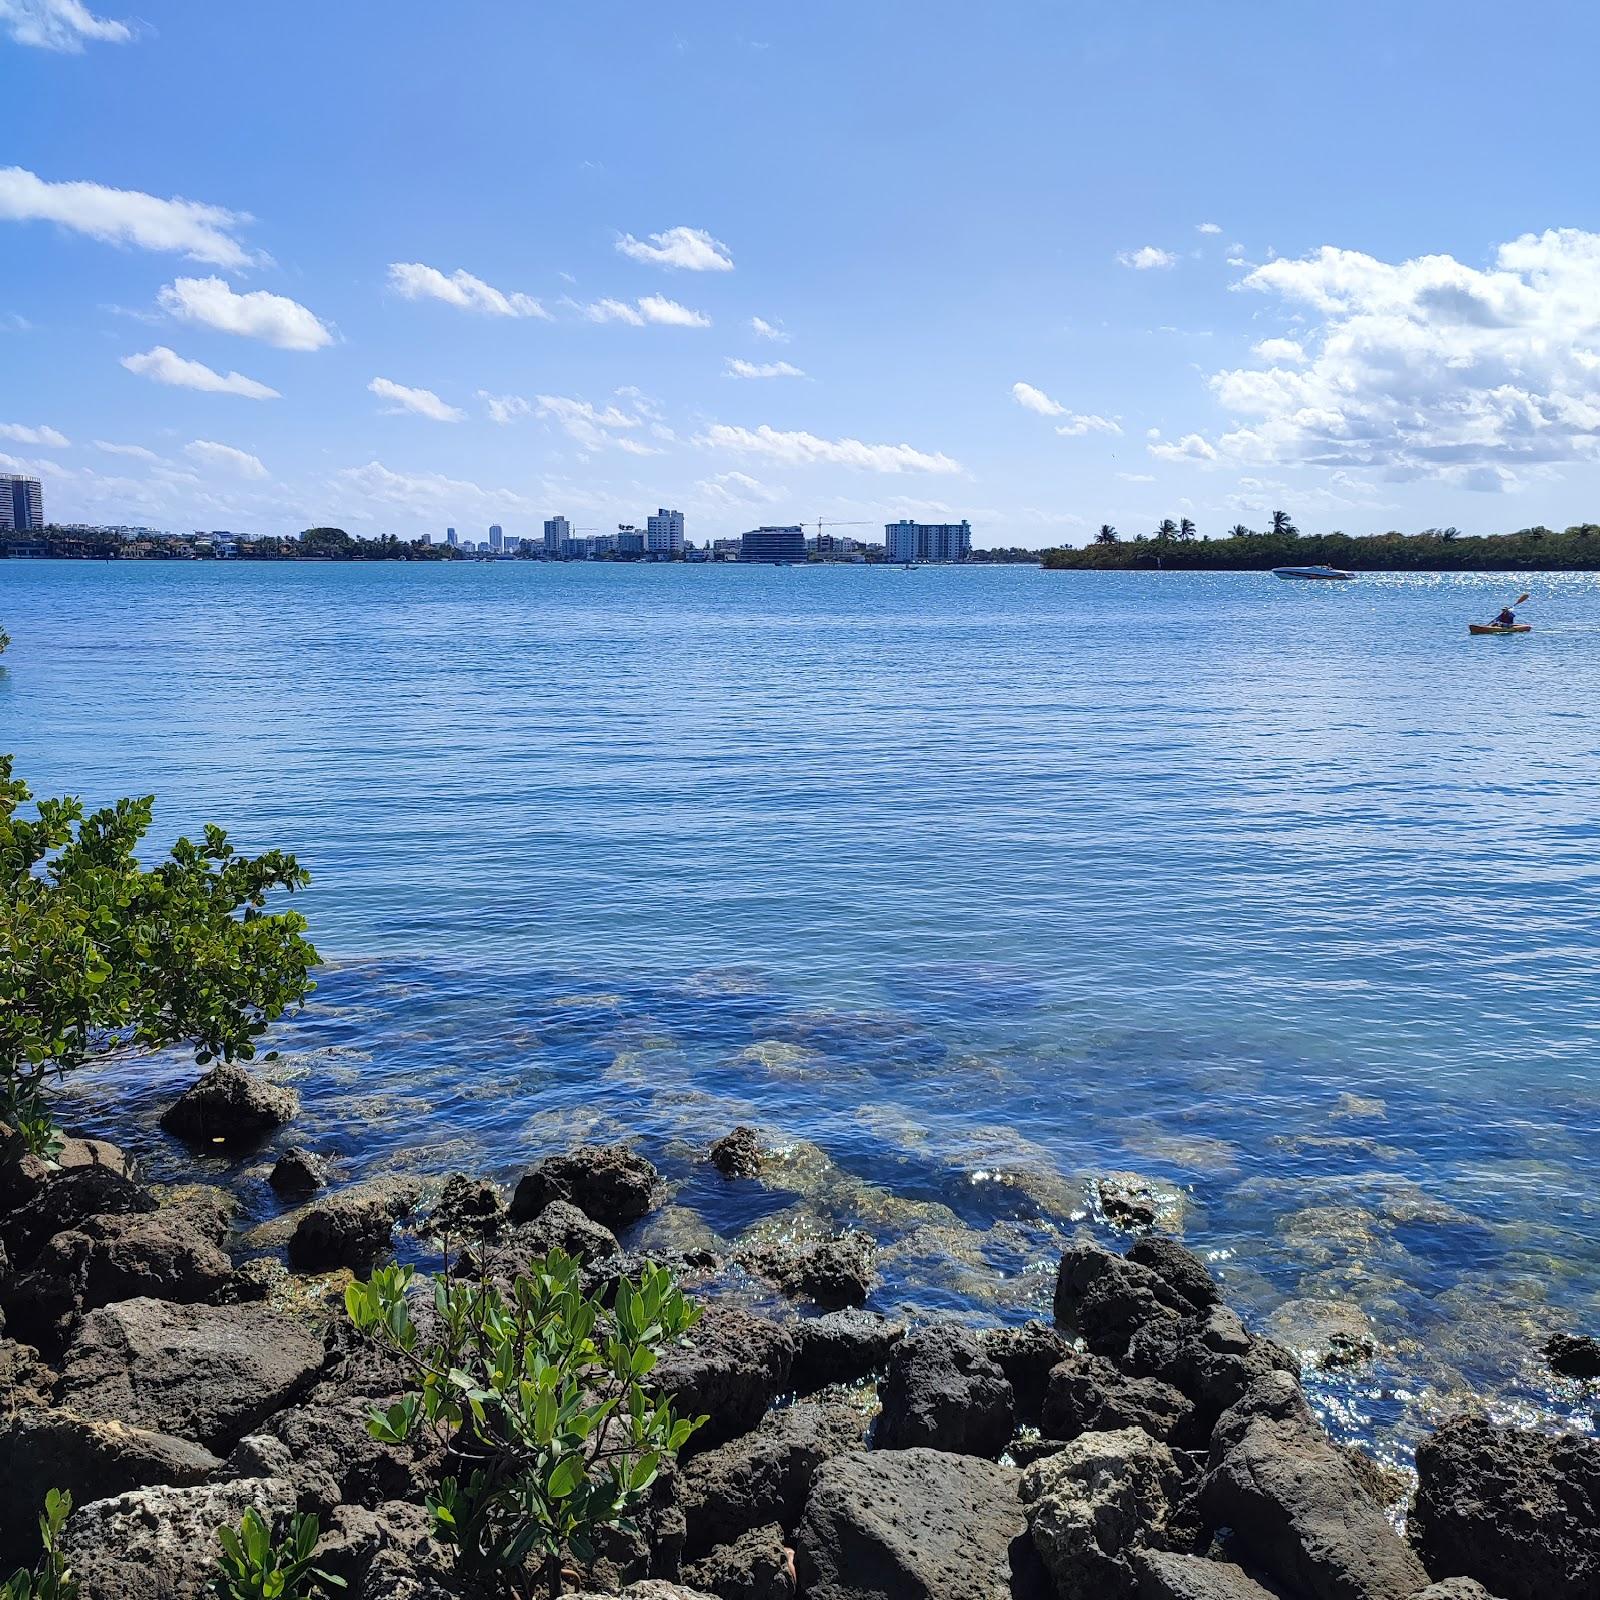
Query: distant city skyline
column 1038, row 309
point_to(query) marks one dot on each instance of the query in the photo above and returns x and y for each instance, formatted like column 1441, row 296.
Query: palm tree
column 1282, row 527
column 1186, row 529
column 1167, row 531
column 1239, row 531
column 1107, row 535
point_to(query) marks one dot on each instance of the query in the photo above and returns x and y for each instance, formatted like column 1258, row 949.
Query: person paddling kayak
column 1506, row 619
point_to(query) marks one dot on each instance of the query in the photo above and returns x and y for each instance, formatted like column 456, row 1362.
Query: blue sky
column 1043, row 265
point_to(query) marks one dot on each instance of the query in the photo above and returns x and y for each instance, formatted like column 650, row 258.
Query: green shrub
column 255, row 1566
column 538, row 1399
column 101, row 958
column 51, row 1579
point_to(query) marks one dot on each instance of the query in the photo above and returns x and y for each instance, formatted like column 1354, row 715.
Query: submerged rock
column 1518, row 1511
column 737, row 1154
column 1131, row 1201
column 229, row 1105
column 842, row 1347
column 916, row 1525
column 944, row 1393
column 298, row 1171
column 609, row 1183
column 1573, row 1355
column 835, row 1273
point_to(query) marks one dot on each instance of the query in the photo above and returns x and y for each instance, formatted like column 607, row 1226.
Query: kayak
column 1326, row 573
column 1495, row 627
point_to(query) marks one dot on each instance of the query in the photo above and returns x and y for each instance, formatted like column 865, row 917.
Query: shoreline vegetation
column 550, row 1410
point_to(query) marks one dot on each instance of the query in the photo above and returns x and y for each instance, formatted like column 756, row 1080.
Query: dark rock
column 1182, row 1269
column 1026, row 1356
column 559, row 1226
column 1130, row 1201
column 298, row 1171
column 1573, row 1355
column 842, row 1347
column 737, row 1154
column 1108, row 1299
column 160, row 1254
column 385, row 1552
column 914, row 1525
column 1347, row 1350
column 229, row 1105
column 835, row 1273
column 661, row 1589
column 23, row 1177
column 1297, row 1506
column 1088, row 1394
column 161, row 1543
column 730, row 1367
column 1518, row 1511
column 1211, row 1358
column 1165, row 1576
column 756, row 1566
column 764, row 1476
column 1383, row 1486
column 609, row 1183
column 1455, row 1589
column 351, row 1227
column 208, row 1373
column 469, row 1208
column 944, row 1393
column 25, row 1380
column 1095, row 1505
column 650, row 1541
column 91, row 1459
column 69, row 1198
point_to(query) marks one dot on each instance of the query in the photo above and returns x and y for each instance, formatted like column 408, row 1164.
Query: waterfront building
column 630, row 542
column 726, row 549
column 574, row 549
column 773, row 544
column 665, row 532
column 450, row 537
column 557, row 530
column 497, row 537
column 21, row 503
column 927, row 541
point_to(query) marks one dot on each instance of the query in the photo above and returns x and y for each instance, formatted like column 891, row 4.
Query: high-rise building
column 630, row 542
column 450, row 537
column 557, row 530
column 665, row 532
column 497, row 537
column 773, row 544
column 21, row 503
column 927, row 541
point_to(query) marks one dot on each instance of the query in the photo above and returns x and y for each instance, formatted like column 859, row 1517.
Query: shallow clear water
column 969, row 884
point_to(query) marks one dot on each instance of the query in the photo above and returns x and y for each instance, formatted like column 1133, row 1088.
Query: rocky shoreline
column 1142, row 1445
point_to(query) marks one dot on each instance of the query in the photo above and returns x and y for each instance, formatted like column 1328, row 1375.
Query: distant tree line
column 1179, row 545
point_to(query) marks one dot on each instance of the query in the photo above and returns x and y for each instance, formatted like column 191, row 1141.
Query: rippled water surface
column 968, row 886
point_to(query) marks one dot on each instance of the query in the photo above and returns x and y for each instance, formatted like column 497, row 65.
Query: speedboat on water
column 1326, row 573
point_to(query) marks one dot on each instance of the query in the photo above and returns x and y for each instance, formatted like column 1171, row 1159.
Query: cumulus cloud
column 738, row 368
column 1079, row 423
column 504, row 408
column 763, row 329
column 653, row 308
column 689, row 249
column 211, row 454
column 594, row 427
column 136, row 451
column 1427, row 367
column 428, row 491
column 21, row 433
column 806, row 449
column 126, row 216
column 272, row 318
column 1191, row 447
column 734, row 489
column 65, row 25
column 1147, row 257
column 1036, row 400
column 414, row 281
column 1208, row 227
column 423, row 402
column 167, row 366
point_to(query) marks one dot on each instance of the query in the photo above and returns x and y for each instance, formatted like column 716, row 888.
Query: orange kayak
column 1495, row 627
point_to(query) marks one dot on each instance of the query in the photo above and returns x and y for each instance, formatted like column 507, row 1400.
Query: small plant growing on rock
column 539, row 1401
column 52, row 1578
column 255, row 1566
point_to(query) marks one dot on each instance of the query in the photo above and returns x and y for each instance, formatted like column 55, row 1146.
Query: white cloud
column 594, row 427
column 1146, row 257
column 126, row 216
column 1137, row 477
column 414, row 281
column 1428, row 368
column 1208, row 227
column 59, row 25
column 767, row 330
column 653, row 308
column 504, row 408
column 1191, row 447
column 806, row 449
column 1280, row 350
column 20, row 433
column 209, row 453
column 734, row 489
column 272, row 318
column 136, row 451
column 691, row 249
column 1036, row 400
column 738, row 368
column 428, row 491
column 167, row 366
column 1079, row 423
column 424, row 402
